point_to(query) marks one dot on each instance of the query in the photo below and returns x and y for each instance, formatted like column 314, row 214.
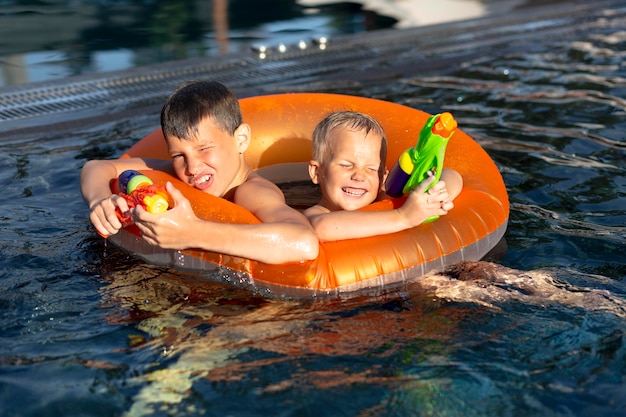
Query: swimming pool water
column 90, row 331
column 52, row 40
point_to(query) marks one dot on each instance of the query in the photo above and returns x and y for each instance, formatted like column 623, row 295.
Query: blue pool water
column 537, row 329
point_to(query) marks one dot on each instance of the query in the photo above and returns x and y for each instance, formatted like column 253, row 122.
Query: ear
column 243, row 135
column 384, row 176
column 314, row 170
column 381, row 188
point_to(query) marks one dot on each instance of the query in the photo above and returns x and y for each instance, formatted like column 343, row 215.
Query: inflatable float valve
column 138, row 189
column 424, row 160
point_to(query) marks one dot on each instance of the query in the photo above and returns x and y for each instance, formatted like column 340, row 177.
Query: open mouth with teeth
column 203, row 182
column 354, row 192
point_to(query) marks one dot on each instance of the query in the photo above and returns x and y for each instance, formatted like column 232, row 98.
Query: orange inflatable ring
column 281, row 127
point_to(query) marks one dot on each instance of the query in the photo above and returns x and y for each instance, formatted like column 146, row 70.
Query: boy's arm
column 340, row 225
column 284, row 234
column 285, row 230
column 95, row 178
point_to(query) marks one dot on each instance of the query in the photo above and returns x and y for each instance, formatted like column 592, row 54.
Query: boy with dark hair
column 206, row 139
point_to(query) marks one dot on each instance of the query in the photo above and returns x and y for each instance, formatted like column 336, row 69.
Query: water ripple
column 562, row 96
column 566, row 225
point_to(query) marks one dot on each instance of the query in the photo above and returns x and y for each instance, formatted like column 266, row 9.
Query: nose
column 358, row 174
column 193, row 166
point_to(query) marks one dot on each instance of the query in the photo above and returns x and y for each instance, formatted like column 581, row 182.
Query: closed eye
column 206, row 148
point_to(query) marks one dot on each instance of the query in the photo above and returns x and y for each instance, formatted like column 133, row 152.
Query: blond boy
column 349, row 152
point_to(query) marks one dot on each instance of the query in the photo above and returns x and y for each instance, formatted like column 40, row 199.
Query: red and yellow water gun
column 139, row 190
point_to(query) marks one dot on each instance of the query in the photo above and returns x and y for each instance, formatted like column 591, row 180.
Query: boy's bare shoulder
column 257, row 191
column 256, row 182
column 315, row 210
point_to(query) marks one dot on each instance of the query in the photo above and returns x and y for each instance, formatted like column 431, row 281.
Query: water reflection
column 412, row 13
column 49, row 41
column 52, row 40
column 418, row 347
column 198, row 330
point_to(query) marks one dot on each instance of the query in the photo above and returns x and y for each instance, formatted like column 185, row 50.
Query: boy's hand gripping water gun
column 424, row 160
column 139, row 190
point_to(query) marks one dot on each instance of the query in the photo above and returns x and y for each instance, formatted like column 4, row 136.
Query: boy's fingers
column 425, row 184
column 105, row 230
column 138, row 212
column 437, row 188
column 177, row 196
column 120, row 202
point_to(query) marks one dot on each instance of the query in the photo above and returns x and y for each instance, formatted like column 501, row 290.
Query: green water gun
column 425, row 159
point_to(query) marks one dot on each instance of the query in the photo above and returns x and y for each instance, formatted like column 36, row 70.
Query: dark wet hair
column 193, row 102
